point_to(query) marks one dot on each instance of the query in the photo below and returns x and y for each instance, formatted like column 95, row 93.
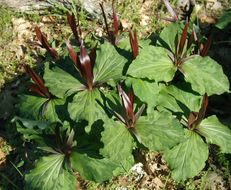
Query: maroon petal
column 206, row 46
column 195, row 118
column 191, row 119
column 202, row 110
column 35, row 88
column 72, row 22
column 116, row 22
column 139, row 112
column 86, row 65
column 38, row 81
column 45, row 44
column 134, row 43
column 190, row 40
column 176, row 43
column 127, row 103
column 131, row 97
column 183, row 39
column 92, row 55
column 74, row 56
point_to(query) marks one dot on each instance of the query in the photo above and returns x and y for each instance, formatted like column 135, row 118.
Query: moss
column 5, row 26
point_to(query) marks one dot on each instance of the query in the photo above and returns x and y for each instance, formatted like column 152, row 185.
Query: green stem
column 16, row 169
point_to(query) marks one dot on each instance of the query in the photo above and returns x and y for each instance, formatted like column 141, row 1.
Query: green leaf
column 93, row 169
column 36, row 107
column 60, row 83
column 159, row 131
column 31, row 129
column 224, row 20
column 205, row 75
column 177, row 100
column 50, row 111
column 50, row 174
column 216, row 133
column 30, row 124
column 188, row 158
column 146, row 91
column 85, row 106
column 118, row 144
column 30, row 106
column 109, row 64
column 168, row 34
column 153, row 63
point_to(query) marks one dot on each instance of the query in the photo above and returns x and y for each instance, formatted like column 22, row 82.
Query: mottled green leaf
column 205, row 75
column 35, row 107
column 92, row 168
column 216, row 133
column 118, row 144
column 51, row 110
column 60, row 82
column 146, row 91
column 159, row 131
column 50, row 174
column 30, row 106
column 168, row 34
column 32, row 123
column 153, row 63
column 177, row 100
column 109, row 64
column 85, row 106
column 188, row 158
column 31, row 129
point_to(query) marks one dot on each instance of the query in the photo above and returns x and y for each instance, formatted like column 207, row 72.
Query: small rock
column 138, row 170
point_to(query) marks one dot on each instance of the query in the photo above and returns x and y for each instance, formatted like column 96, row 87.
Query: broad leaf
column 31, row 123
column 50, row 174
column 205, row 75
column 109, row 64
column 51, row 109
column 31, row 129
column 60, row 82
column 188, row 158
column 118, row 144
column 35, row 107
column 168, row 35
column 92, row 168
column 85, row 106
column 32, row 103
column 153, row 63
column 216, row 133
column 159, row 131
column 146, row 91
column 178, row 100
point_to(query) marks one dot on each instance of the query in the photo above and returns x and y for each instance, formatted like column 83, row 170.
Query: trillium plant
column 91, row 105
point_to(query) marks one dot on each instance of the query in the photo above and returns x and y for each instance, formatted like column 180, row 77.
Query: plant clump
column 93, row 105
